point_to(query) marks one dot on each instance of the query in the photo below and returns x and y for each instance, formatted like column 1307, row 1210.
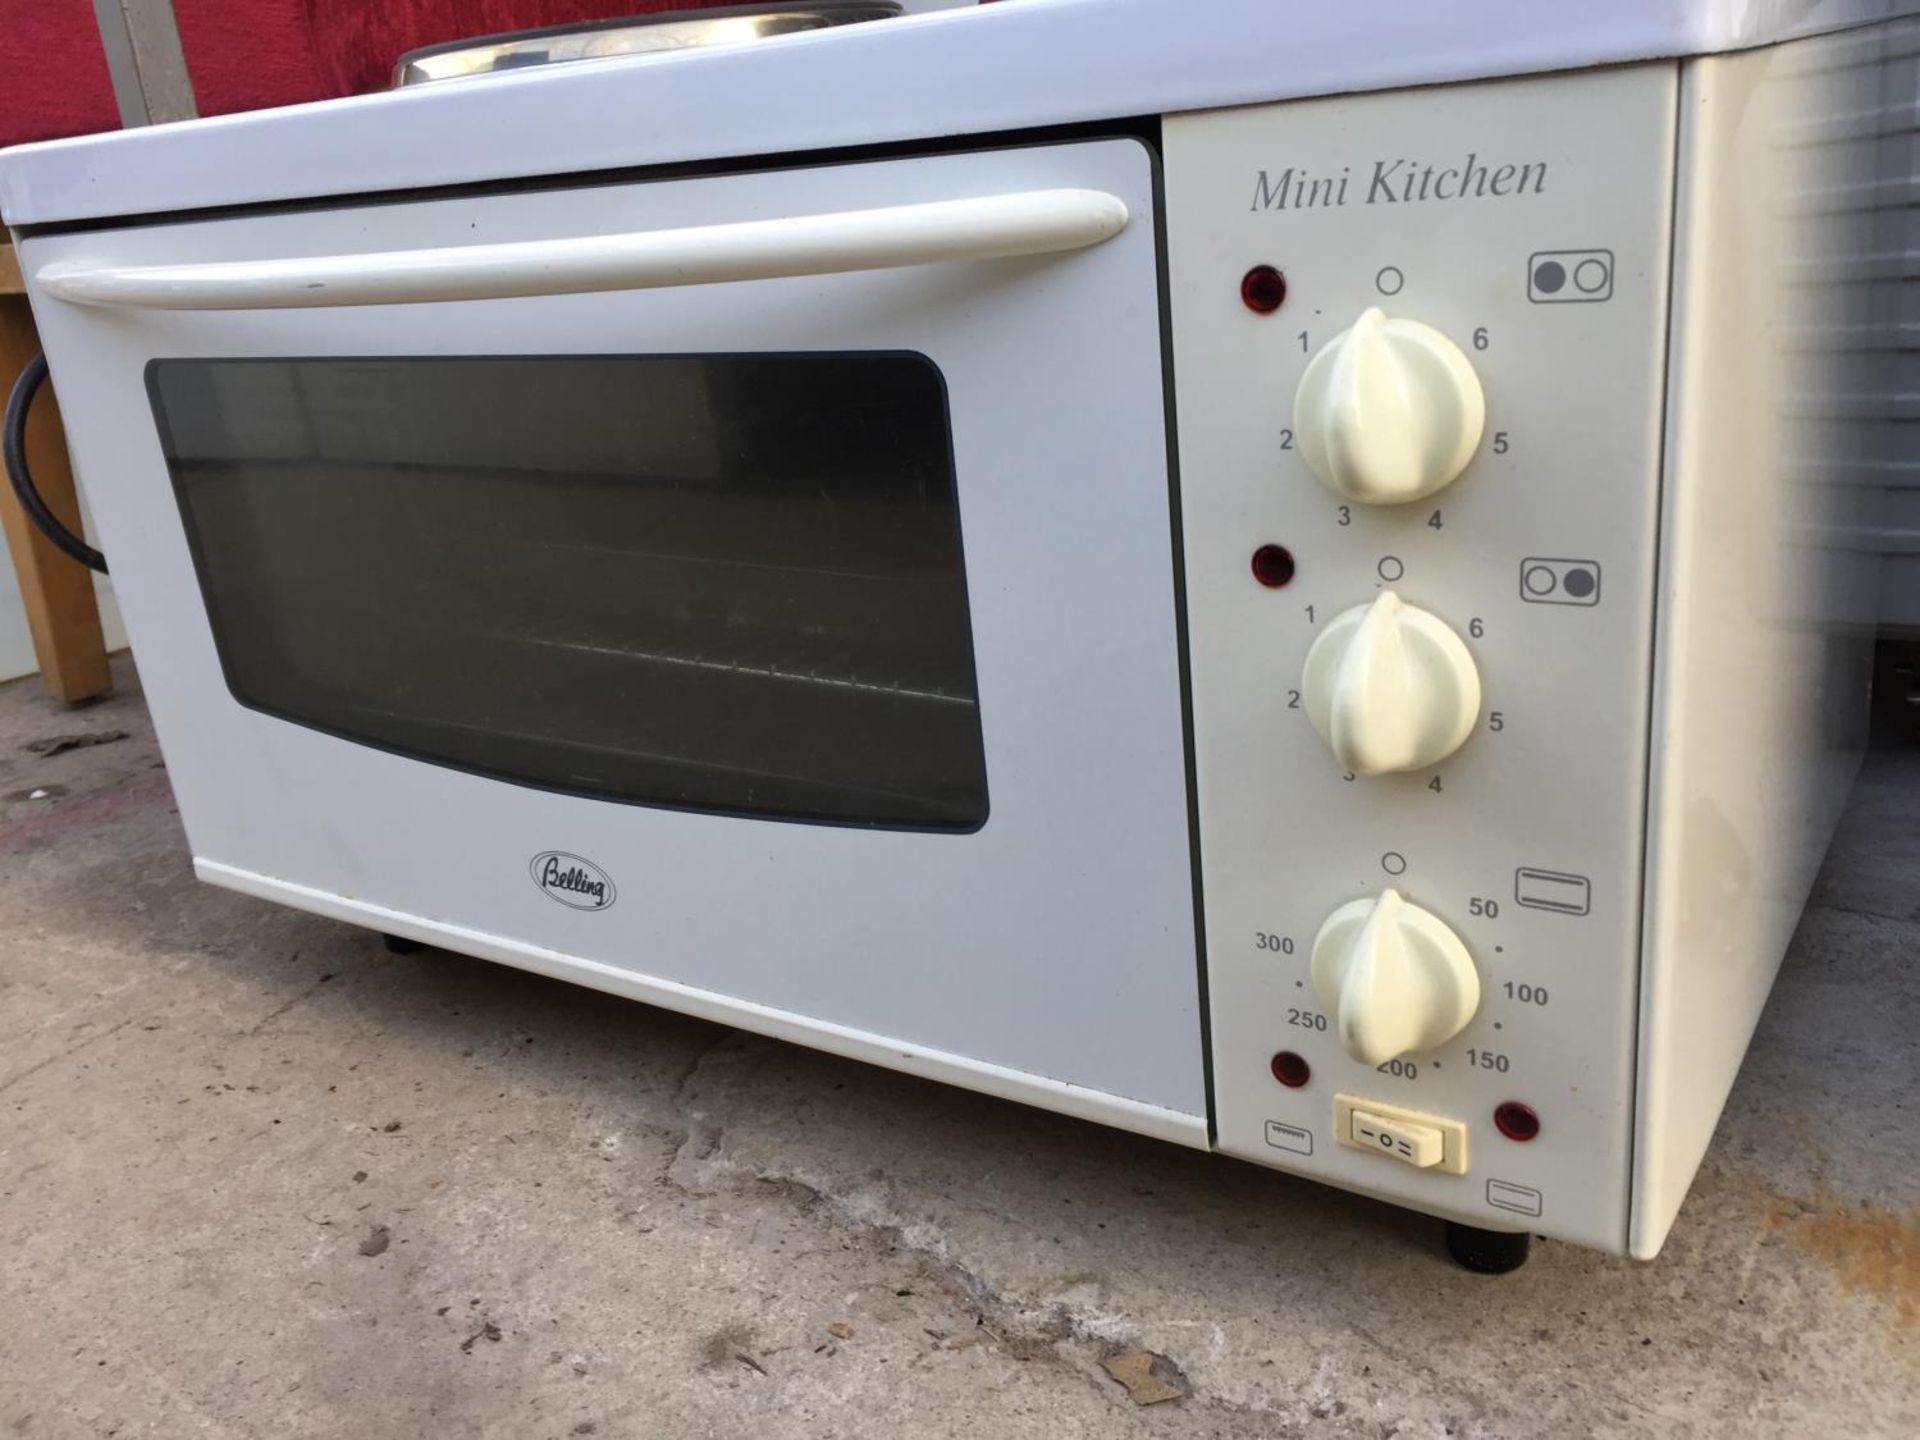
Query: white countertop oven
column 1288, row 578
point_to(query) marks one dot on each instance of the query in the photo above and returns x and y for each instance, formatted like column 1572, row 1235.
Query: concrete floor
column 601, row 1219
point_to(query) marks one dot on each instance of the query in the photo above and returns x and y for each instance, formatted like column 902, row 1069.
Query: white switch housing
column 1412, row 1137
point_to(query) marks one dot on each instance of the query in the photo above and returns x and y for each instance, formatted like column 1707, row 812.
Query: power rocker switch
column 1425, row 1142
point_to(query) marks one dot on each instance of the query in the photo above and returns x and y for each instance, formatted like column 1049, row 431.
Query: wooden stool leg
column 62, row 614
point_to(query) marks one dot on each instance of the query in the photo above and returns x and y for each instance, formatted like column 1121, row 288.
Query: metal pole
column 149, row 71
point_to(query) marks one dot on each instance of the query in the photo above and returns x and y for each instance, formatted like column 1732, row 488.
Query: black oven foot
column 400, row 945
column 1487, row 1252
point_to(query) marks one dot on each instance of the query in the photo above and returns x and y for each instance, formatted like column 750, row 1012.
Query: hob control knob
column 1388, row 411
column 1390, row 687
column 1395, row 979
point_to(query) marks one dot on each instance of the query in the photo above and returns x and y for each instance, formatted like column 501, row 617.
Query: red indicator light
column 1516, row 1121
column 1263, row 289
column 1291, row 1070
column 1273, row 565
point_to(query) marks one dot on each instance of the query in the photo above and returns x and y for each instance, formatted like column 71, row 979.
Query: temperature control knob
column 1388, row 411
column 1390, row 687
column 1395, row 979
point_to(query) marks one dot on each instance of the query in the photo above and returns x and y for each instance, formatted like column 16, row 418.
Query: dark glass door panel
column 728, row 582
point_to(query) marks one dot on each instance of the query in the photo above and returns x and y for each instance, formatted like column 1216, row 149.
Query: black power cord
column 21, row 397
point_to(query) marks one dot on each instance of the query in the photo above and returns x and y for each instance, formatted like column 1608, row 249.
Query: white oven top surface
column 952, row 72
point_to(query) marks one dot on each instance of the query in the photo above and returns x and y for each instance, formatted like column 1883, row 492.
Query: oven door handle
column 988, row 227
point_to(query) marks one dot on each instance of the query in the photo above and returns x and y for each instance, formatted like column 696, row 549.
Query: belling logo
column 572, row 880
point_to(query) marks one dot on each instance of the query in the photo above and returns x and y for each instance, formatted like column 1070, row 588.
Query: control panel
column 1419, row 359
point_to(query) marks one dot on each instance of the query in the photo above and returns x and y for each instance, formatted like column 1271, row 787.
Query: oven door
column 773, row 618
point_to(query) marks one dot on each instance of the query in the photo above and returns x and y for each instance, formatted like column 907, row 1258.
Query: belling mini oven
column 1277, row 580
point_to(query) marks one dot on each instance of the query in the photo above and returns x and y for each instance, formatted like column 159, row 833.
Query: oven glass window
column 725, row 582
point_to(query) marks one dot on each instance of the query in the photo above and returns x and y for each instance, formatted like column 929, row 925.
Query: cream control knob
column 1388, row 411
column 1390, row 687
column 1395, row 979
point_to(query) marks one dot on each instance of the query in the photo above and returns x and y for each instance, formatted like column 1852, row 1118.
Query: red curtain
column 250, row 54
